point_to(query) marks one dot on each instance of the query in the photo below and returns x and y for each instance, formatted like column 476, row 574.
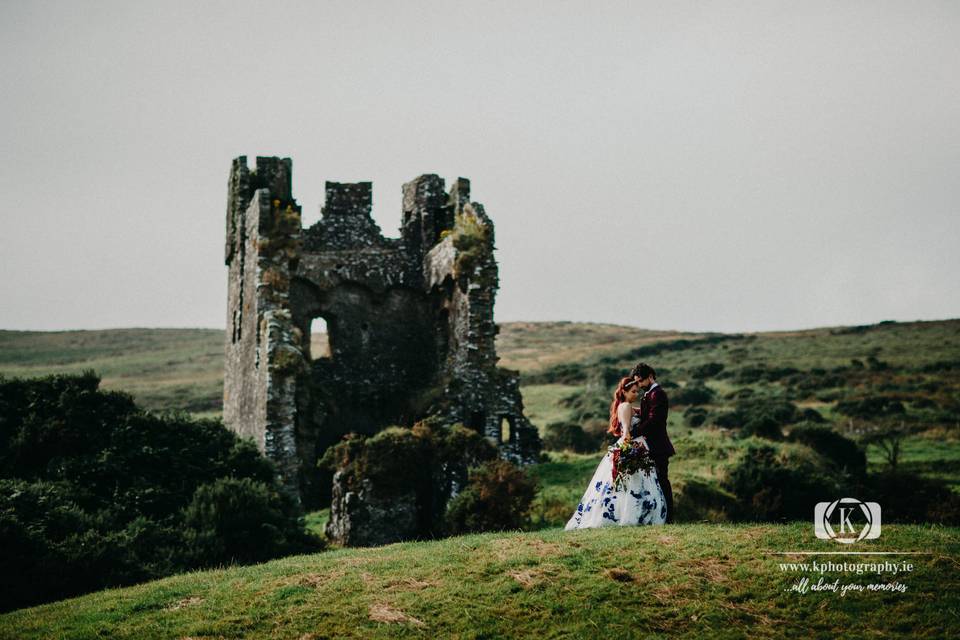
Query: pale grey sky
column 698, row 166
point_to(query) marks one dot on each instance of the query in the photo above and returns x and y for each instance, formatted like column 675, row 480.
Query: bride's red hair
column 620, row 395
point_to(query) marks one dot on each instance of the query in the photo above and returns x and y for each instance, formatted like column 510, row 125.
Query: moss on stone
column 471, row 239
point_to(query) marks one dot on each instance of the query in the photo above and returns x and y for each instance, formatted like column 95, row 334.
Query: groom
column 653, row 425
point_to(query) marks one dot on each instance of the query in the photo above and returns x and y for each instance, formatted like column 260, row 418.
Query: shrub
column 564, row 373
column 811, row 415
column 763, row 373
column 695, row 416
column 780, row 412
column 497, row 497
column 590, row 403
column 871, row 407
column 762, row 427
column 697, row 500
column 831, row 444
column 563, row 436
column 694, row 394
column 707, row 370
column 908, row 497
column 778, row 486
column 95, row 489
column 241, row 520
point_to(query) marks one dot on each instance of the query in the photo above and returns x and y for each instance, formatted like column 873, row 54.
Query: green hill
column 564, row 365
column 686, row 581
column 704, row 577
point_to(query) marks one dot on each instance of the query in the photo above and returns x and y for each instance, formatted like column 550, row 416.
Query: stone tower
column 409, row 321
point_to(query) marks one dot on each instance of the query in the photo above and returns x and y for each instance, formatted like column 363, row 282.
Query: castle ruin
column 409, row 321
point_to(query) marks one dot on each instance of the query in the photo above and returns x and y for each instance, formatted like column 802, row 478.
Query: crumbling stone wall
column 409, row 320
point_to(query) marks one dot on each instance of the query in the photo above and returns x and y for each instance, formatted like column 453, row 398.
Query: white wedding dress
column 640, row 501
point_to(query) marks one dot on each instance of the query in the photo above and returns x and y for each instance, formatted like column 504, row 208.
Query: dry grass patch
column 672, row 594
column 317, row 580
column 536, row 576
column 410, row 584
column 713, row 569
column 751, row 611
column 381, row 612
column 508, row 548
column 185, row 602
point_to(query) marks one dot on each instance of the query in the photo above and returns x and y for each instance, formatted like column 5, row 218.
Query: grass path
column 691, row 581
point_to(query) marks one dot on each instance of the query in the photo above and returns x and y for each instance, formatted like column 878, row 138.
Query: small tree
column 885, row 435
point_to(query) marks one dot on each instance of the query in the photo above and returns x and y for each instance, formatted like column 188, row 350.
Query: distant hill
column 567, row 369
column 183, row 368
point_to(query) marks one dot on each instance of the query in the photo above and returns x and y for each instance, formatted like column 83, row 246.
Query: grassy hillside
column 162, row 368
column 686, row 581
column 566, row 368
column 915, row 365
column 183, row 368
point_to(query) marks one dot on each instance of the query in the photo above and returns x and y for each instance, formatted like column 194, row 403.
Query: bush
column 762, row 427
column 871, row 407
column 95, row 489
column 65, row 550
column 694, row 394
column 694, row 416
column 811, row 415
column 591, row 403
column 708, row 370
column 778, row 486
column 241, row 521
column 911, row 498
column 564, row 373
column 763, row 373
column 698, row 500
column 563, row 436
column 831, row 444
column 497, row 497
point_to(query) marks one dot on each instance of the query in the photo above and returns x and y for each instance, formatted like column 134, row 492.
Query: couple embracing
column 645, row 496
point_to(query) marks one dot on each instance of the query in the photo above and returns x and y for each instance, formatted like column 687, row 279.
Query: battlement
column 348, row 198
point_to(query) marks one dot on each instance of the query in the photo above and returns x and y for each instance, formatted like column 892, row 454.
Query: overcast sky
column 697, row 166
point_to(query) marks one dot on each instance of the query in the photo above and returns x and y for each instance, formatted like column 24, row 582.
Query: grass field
column 703, row 577
column 686, row 581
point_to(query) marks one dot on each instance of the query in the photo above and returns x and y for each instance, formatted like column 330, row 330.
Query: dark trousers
column 662, row 464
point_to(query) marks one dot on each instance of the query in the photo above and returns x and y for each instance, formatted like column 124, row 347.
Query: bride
column 640, row 499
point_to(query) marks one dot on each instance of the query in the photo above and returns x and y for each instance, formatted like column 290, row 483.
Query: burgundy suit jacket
column 653, row 423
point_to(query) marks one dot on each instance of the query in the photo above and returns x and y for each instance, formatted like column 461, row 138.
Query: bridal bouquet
column 629, row 458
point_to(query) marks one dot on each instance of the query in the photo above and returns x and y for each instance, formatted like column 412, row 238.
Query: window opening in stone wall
column 476, row 420
column 319, row 339
column 506, row 429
